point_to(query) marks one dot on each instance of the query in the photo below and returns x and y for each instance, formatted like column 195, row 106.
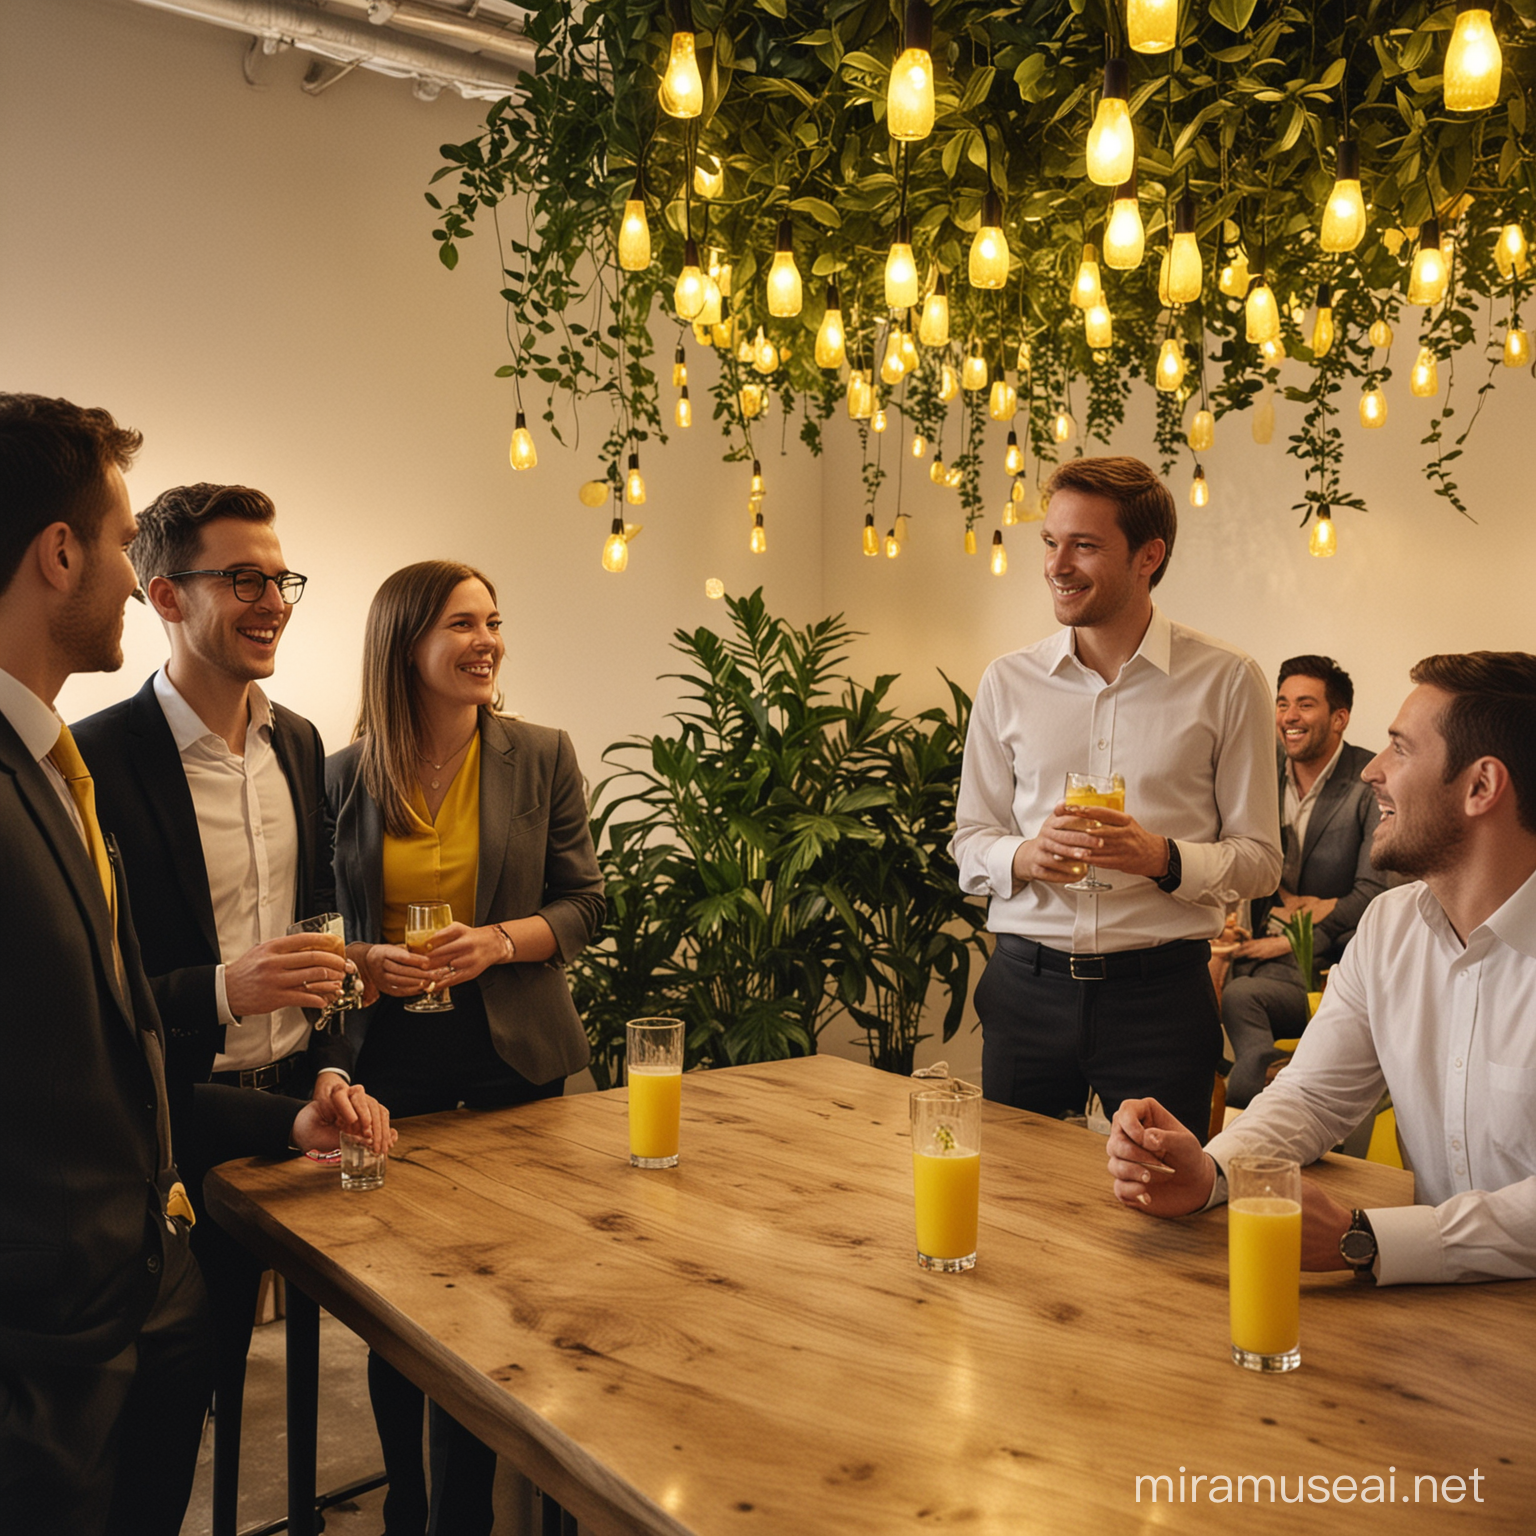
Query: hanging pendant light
column 784, row 287
column 949, row 383
column 1170, row 366
column 933, row 325
column 750, row 399
column 1517, row 347
column 1324, row 541
column 1261, row 313
column 615, row 546
column 1373, row 407
column 1322, row 327
column 895, row 537
column 1430, row 276
column 1152, row 25
column 634, row 232
column 1062, row 426
column 634, row 482
column 970, row 541
column 988, row 266
column 1202, row 432
column 1199, row 490
column 1186, row 272
column 1424, row 381
column 999, row 554
column 679, row 367
column 1380, row 334
column 1111, row 141
column 1474, row 62
column 765, row 353
column 522, row 454
column 1013, row 458
column 877, row 419
column 900, row 269
column 757, row 540
column 1098, row 329
column 1511, row 255
column 936, row 471
column 908, row 349
column 871, row 539
column 1004, row 400
column 1344, row 213
column 861, row 396
column 688, row 295
column 684, row 413
column 682, row 88
column 893, row 366
column 1233, row 278
column 1087, row 286
column 909, row 104
column 1125, row 238
column 973, row 371
column 831, row 348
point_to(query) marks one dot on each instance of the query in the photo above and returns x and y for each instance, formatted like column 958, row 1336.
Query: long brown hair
column 388, row 722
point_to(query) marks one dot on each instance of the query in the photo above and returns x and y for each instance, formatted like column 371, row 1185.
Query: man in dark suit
column 103, row 1324
column 1327, row 817
column 217, row 799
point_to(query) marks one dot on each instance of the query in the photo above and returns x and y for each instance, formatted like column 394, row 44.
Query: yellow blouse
column 439, row 861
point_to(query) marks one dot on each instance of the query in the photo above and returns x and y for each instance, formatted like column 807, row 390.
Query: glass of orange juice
column 1264, row 1261
column 654, row 1069
column 1094, row 789
column 946, row 1173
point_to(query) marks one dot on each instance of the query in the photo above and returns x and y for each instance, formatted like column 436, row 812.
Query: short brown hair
column 1338, row 687
column 1144, row 508
column 402, row 611
column 54, row 458
column 171, row 526
column 1492, row 713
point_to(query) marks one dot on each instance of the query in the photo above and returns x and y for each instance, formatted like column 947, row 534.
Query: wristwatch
column 1170, row 881
column 1358, row 1246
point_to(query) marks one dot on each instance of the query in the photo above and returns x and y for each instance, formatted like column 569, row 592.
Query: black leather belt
column 275, row 1075
column 1121, row 965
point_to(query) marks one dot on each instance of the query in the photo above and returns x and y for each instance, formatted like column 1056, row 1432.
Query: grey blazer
column 536, row 858
column 1336, row 858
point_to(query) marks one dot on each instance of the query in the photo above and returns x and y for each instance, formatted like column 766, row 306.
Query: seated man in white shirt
column 1434, row 1000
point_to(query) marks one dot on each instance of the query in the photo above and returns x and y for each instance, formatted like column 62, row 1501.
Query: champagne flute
column 1093, row 789
column 329, row 933
column 422, row 920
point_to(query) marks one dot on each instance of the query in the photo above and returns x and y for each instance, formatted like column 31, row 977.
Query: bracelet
column 506, row 938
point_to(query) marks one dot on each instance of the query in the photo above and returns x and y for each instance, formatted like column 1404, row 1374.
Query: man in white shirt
column 1434, row 1000
column 1111, row 992
column 1327, row 818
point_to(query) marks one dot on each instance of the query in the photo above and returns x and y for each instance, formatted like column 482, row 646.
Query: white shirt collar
column 1321, row 779
column 37, row 723
column 187, row 725
column 1513, row 924
column 1156, row 645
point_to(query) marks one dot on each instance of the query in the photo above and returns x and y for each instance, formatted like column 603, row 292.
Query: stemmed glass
column 1093, row 789
column 422, row 920
column 328, row 932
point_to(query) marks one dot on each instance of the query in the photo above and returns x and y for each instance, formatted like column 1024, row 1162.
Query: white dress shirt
column 1447, row 1028
column 1298, row 806
column 38, row 725
column 1189, row 723
column 250, row 839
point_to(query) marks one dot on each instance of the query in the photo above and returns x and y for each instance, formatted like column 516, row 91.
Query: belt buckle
column 1088, row 963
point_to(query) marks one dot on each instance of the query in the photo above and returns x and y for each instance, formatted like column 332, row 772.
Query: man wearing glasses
column 216, row 796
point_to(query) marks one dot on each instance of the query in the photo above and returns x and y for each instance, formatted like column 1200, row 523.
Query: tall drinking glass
column 422, row 920
column 1093, row 789
column 946, row 1173
column 654, row 1069
column 328, row 932
column 1264, row 1261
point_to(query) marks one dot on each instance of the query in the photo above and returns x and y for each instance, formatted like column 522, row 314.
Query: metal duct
column 358, row 42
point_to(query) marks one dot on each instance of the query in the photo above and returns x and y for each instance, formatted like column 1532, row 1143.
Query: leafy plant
column 778, row 857
column 1298, row 932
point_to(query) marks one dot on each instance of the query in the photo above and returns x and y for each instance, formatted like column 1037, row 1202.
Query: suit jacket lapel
column 301, row 885
column 1330, row 797
column 497, row 792
column 163, row 781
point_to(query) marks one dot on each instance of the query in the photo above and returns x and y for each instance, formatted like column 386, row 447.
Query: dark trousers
column 111, row 1448
column 1261, row 1001
column 1047, row 1040
column 421, row 1064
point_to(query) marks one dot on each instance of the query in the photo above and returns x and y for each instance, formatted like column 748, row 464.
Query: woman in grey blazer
column 439, row 798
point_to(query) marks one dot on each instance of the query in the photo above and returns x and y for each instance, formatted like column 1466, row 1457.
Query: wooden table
column 744, row 1344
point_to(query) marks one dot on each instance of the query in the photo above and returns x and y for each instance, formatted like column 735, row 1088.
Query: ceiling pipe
column 358, row 42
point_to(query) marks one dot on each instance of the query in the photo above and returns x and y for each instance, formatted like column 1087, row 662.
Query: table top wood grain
column 745, row 1343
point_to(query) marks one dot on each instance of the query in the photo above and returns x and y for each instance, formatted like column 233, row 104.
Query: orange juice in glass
column 423, row 921
column 1089, row 790
column 946, row 1173
column 1264, row 1262
column 654, row 1072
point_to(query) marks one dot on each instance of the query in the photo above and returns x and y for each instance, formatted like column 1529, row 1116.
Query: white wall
column 247, row 276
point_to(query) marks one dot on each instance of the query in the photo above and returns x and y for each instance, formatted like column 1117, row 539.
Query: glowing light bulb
column 1324, row 541
column 679, row 367
column 909, row 97
column 615, row 548
column 1021, row 357
column 1322, row 327
column 1273, row 351
column 1186, row 271
column 953, row 476
column 1373, row 407
column 688, row 295
column 1233, row 278
column 893, row 366
column 755, row 490
column 1511, row 255
column 634, row 482
column 1261, row 313
column 1202, row 432
column 871, row 537
column 1152, row 24
column 973, row 372
column 750, row 399
column 861, row 396
column 1003, row 401
column 1010, row 513
column 970, row 541
column 1111, row 141
column 1170, row 366
column 1199, row 490
column 1344, row 213
column 522, row 454
column 713, row 310
column 1017, row 493
column 765, row 355
column 1264, row 420
column 682, row 89
column 919, row 445
column 908, row 352
column 989, row 250
column 1431, row 273
column 1125, row 238
column 936, row 470
column 1013, row 459
column 714, row 589
column 1424, row 381
column 634, row 233
column 877, row 421
column 708, row 176
column 784, row 287
column 999, row 554
column 901, row 270
column 894, row 540
column 684, row 412
column 757, row 540
column 1062, row 427
column 1098, row 328
column 1380, row 334
column 1517, row 347
column 831, row 343
column 949, row 383
column 933, row 324
column 1474, row 62
column 1088, row 286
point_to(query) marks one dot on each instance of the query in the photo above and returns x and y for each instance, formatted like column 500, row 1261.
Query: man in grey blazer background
column 1327, row 816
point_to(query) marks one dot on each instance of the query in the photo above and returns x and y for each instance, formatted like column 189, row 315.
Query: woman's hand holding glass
column 396, row 972
column 465, row 952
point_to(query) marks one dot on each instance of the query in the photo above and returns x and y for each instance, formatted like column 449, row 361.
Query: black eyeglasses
column 249, row 585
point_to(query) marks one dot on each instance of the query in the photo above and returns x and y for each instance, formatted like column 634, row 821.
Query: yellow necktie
column 66, row 758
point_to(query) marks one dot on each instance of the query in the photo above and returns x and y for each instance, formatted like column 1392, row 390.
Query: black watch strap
column 1170, row 881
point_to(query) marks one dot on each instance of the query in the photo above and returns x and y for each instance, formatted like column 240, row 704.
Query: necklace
column 438, row 767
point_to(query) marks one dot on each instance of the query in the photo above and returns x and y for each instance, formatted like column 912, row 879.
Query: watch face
column 1358, row 1248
